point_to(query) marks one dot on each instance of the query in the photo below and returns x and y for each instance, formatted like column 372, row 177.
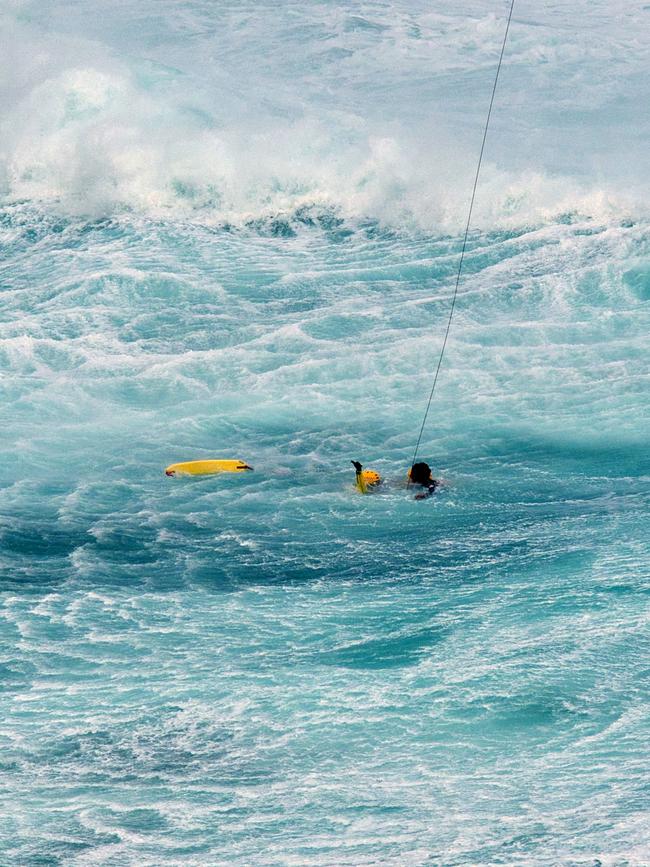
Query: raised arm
column 360, row 481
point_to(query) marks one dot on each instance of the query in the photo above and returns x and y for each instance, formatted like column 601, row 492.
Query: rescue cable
column 469, row 218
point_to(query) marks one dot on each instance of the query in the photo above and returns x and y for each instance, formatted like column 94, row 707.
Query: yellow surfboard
column 207, row 468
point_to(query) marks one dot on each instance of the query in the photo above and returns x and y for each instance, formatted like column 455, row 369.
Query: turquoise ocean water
column 232, row 231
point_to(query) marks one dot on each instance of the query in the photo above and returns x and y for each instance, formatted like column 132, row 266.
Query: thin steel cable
column 469, row 219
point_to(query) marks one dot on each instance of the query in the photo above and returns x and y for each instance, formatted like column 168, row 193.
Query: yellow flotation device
column 206, row 468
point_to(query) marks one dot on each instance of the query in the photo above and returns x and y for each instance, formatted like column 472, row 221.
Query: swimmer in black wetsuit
column 420, row 474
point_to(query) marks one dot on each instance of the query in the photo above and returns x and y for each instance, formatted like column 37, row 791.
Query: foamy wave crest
column 91, row 134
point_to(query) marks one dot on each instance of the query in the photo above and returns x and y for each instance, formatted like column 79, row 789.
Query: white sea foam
column 282, row 670
column 90, row 132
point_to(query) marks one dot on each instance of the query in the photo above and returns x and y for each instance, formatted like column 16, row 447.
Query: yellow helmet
column 371, row 477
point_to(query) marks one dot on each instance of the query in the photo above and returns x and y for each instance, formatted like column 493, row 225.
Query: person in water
column 419, row 474
column 365, row 479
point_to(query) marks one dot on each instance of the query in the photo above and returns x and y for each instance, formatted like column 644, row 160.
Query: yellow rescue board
column 206, row 468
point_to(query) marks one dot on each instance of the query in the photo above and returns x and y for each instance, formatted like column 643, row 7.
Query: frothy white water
column 226, row 249
column 229, row 125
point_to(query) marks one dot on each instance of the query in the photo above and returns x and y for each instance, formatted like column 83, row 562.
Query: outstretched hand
column 358, row 467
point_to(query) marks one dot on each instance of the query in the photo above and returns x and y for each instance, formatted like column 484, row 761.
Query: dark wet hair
column 420, row 473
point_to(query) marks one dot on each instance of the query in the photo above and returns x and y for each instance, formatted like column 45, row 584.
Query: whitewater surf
column 233, row 231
